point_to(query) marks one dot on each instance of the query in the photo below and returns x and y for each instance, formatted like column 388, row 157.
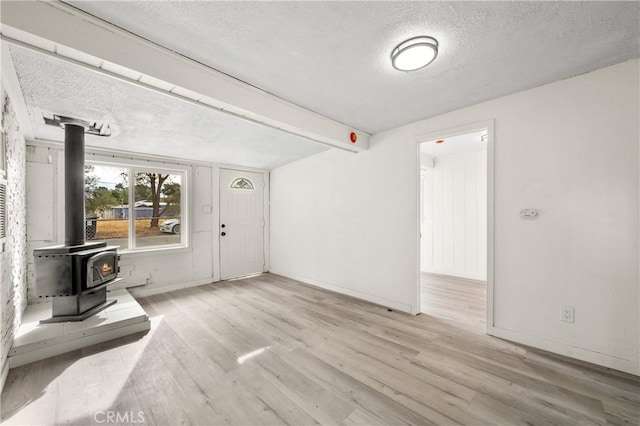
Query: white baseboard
column 393, row 304
column 604, row 360
column 150, row 290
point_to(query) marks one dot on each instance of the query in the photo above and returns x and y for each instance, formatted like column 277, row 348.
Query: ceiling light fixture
column 414, row 53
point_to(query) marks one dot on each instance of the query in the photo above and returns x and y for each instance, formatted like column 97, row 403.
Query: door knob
column 223, row 234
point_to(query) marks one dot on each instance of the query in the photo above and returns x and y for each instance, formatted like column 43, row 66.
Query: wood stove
column 75, row 275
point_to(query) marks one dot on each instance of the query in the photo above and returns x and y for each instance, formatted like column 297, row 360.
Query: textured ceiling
column 144, row 121
column 333, row 57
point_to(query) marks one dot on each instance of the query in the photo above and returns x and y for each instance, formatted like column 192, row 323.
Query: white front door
column 241, row 223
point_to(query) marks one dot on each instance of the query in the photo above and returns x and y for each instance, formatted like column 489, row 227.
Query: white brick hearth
column 35, row 341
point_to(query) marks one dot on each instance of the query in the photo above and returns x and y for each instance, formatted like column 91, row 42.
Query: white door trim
column 215, row 218
column 447, row 133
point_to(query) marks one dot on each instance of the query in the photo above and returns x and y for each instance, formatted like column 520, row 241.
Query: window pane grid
column 134, row 208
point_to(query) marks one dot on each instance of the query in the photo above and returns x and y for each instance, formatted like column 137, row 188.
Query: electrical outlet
column 566, row 313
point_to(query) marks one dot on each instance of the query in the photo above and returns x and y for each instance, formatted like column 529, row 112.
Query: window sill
column 154, row 251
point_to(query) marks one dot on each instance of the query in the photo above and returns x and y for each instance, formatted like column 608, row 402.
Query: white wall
column 13, row 289
column 569, row 149
column 454, row 216
column 347, row 222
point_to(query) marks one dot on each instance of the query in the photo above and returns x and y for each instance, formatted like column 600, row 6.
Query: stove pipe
column 74, row 130
column 74, row 220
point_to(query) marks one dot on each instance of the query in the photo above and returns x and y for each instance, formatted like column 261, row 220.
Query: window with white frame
column 135, row 207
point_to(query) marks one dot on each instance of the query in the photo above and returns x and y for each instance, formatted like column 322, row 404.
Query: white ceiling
column 468, row 142
column 144, row 121
column 333, row 57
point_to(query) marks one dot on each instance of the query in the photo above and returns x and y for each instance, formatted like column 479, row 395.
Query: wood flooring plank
column 318, row 402
column 379, row 408
column 271, row 350
column 509, row 391
column 497, row 412
column 513, row 369
column 274, row 400
column 380, row 372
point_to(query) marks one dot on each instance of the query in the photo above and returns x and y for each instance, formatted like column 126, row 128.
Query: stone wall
column 13, row 255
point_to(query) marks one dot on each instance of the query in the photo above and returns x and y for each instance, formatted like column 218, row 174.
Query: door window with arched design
column 241, row 183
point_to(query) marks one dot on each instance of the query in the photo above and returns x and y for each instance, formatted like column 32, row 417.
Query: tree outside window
column 154, row 211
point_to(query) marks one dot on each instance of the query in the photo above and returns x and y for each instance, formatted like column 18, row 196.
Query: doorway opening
column 454, row 243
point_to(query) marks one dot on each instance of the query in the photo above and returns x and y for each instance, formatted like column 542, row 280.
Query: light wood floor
column 459, row 300
column 268, row 350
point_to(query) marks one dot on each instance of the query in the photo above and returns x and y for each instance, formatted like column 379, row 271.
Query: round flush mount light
column 414, row 53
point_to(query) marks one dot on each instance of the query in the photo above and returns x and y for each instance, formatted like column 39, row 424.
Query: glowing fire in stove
column 107, row 269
